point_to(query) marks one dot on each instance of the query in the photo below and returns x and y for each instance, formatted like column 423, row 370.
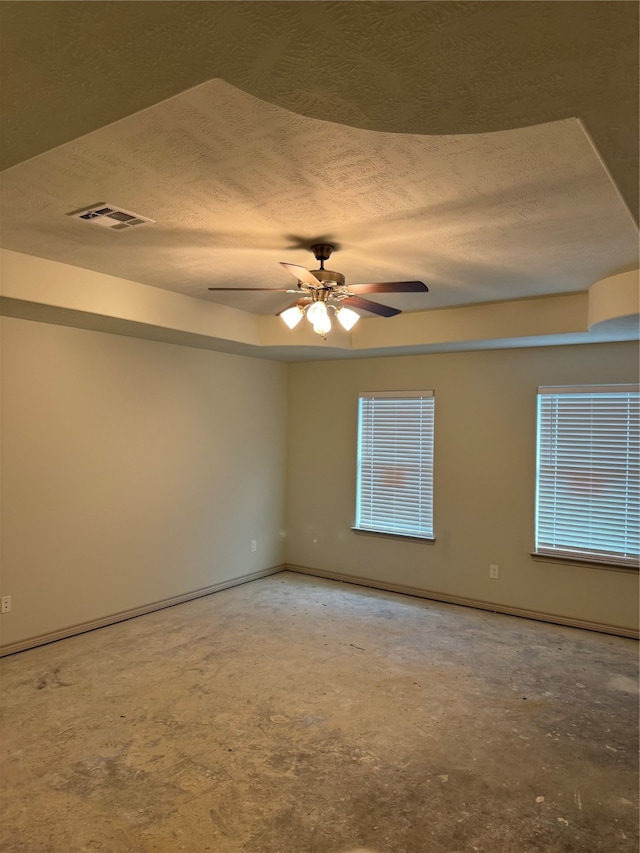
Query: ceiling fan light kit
column 320, row 319
column 326, row 289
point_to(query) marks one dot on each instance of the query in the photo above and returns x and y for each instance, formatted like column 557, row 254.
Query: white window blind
column 395, row 463
column 588, row 479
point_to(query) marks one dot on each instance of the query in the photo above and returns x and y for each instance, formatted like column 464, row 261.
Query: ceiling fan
column 321, row 289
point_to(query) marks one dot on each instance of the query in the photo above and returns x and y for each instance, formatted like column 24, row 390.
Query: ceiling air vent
column 109, row 216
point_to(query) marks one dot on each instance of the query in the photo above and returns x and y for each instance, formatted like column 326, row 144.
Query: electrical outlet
column 6, row 603
column 494, row 572
column 254, row 546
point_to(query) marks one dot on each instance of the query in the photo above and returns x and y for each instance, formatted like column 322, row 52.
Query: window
column 588, row 490
column 395, row 463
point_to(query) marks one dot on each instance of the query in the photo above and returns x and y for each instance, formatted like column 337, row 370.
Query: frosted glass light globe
column 322, row 325
column 347, row 318
column 292, row 316
column 315, row 311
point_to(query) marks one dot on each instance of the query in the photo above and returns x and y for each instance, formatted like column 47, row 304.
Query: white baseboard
column 63, row 633
column 111, row 619
column 555, row 619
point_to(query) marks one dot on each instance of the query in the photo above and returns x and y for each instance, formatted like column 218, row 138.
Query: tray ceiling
column 234, row 185
column 490, row 149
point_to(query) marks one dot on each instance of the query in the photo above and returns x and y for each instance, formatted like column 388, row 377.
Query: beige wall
column 484, row 477
column 132, row 471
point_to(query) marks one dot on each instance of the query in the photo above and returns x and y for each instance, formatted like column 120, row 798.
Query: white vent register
column 110, row 216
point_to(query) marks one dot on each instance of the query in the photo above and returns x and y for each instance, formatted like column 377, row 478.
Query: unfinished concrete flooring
column 296, row 715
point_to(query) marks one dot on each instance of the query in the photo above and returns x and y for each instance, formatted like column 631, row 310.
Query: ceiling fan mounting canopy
column 322, row 251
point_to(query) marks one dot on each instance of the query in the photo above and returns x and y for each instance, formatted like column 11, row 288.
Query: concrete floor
column 297, row 715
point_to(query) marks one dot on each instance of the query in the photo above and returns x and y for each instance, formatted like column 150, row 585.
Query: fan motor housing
column 329, row 277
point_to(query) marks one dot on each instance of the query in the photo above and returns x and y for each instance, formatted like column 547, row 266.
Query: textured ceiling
column 415, row 67
column 440, row 141
column 235, row 184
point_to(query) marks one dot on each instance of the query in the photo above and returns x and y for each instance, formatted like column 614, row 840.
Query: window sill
column 364, row 531
column 562, row 559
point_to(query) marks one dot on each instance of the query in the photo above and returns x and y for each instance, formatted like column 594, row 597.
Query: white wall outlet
column 494, row 572
column 254, row 546
column 6, row 603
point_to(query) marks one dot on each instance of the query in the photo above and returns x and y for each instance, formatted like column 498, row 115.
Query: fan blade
column 302, row 274
column 390, row 287
column 265, row 289
column 373, row 307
